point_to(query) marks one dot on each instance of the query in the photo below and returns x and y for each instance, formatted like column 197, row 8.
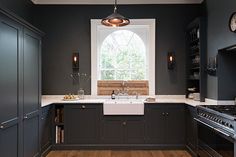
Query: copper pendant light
column 115, row 19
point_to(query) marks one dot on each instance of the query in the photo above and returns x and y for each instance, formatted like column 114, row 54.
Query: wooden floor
column 108, row 153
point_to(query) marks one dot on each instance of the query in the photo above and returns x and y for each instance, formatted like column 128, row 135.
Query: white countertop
column 50, row 99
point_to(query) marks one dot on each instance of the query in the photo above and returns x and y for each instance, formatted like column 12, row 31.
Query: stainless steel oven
column 213, row 141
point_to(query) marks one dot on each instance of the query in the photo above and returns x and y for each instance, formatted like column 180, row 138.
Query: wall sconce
column 75, row 60
column 170, row 60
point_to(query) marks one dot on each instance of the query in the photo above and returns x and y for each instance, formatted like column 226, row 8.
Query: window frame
column 96, row 26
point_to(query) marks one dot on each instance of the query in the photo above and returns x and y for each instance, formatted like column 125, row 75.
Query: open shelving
column 59, row 124
column 196, row 58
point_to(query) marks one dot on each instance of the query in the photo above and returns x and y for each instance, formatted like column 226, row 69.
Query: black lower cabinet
column 82, row 123
column 46, row 129
column 191, row 130
column 9, row 141
column 31, row 137
column 165, row 125
column 123, row 130
column 112, row 130
column 155, row 124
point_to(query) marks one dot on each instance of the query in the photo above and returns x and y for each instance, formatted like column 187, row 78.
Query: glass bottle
column 81, row 93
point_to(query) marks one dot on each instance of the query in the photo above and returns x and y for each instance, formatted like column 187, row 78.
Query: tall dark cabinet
column 20, row 94
column 10, row 100
column 196, row 59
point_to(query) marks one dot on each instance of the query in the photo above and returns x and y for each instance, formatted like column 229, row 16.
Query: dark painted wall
column 219, row 36
column 67, row 30
column 22, row 8
column 227, row 77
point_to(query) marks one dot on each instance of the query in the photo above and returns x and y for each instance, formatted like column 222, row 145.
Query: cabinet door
column 82, row 123
column 191, row 128
column 10, row 51
column 155, row 123
column 134, row 130
column 31, row 73
column 175, row 131
column 46, row 128
column 112, row 130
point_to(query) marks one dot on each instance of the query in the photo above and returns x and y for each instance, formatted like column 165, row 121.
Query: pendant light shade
column 115, row 19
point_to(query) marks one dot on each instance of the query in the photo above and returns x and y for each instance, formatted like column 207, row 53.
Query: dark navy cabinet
column 10, row 53
column 123, row 130
column 191, row 130
column 31, row 93
column 46, row 129
column 165, row 124
column 82, row 123
column 20, row 94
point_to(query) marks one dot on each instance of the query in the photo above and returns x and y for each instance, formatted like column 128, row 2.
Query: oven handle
column 212, row 127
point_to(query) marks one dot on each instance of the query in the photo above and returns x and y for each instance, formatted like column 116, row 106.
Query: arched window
column 123, row 54
column 122, row 57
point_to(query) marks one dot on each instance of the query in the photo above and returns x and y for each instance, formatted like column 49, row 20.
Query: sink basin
column 123, row 107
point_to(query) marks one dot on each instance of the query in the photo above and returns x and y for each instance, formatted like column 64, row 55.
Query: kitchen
column 33, row 85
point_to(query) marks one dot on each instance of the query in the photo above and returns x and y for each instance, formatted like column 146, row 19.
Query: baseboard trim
column 46, row 151
column 191, row 152
column 118, row 147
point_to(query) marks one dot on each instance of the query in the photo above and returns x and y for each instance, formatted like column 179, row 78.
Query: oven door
column 213, row 142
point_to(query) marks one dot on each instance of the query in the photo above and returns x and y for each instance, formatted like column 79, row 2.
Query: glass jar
column 81, row 93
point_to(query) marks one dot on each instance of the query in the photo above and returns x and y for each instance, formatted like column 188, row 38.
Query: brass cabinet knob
column 124, row 123
column 83, row 107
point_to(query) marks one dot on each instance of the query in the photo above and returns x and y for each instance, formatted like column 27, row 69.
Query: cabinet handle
column 1, row 127
column 25, row 117
column 163, row 114
column 167, row 113
column 42, row 118
column 83, row 107
column 124, row 123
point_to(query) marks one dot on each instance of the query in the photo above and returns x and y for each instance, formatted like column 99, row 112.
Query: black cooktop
column 226, row 109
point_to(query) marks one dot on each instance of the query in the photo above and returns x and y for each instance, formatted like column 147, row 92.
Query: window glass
column 122, row 57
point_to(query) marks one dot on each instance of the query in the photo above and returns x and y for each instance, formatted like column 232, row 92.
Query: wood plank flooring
column 109, row 153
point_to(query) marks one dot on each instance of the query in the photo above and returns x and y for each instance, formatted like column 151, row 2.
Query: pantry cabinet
column 20, row 94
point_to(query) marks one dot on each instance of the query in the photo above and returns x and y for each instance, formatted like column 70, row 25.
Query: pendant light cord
column 115, row 7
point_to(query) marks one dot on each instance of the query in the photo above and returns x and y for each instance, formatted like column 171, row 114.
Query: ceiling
column 101, row 2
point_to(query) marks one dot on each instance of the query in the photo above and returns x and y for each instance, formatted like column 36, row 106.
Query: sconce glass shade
column 170, row 60
column 115, row 19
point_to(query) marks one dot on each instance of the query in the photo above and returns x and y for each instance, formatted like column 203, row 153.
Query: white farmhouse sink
column 123, row 107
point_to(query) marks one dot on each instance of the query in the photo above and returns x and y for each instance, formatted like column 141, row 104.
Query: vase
column 81, row 93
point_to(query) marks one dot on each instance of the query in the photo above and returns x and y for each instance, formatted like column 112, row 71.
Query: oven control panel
column 216, row 119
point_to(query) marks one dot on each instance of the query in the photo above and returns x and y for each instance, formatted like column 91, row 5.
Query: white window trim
column 96, row 24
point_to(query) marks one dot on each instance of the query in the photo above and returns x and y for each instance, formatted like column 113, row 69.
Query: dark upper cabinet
column 32, row 53
column 10, row 52
column 122, row 130
column 165, row 124
column 82, row 123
